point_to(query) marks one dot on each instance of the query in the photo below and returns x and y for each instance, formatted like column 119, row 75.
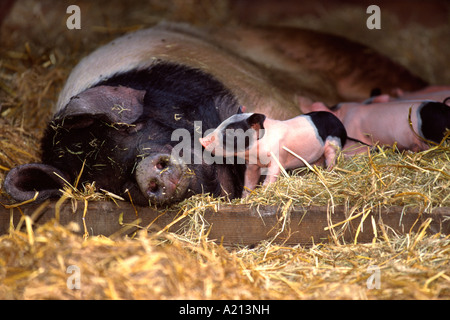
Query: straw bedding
column 186, row 264
column 170, row 267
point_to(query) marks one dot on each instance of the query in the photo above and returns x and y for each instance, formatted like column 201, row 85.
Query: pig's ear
column 256, row 122
column 22, row 182
column 116, row 104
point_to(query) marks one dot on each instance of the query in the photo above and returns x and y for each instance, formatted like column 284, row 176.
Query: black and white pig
column 409, row 124
column 257, row 139
column 114, row 119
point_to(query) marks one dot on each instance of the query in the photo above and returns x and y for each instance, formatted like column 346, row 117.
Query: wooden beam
column 238, row 224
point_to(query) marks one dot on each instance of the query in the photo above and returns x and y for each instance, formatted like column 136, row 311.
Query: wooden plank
column 239, row 224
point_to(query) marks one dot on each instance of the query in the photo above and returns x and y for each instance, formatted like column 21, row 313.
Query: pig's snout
column 163, row 178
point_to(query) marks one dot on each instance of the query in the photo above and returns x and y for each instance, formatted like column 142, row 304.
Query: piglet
column 257, row 139
column 435, row 93
column 408, row 123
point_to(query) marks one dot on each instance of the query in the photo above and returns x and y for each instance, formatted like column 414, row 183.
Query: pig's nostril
column 162, row 163
column 153, row 186
column 162, row 178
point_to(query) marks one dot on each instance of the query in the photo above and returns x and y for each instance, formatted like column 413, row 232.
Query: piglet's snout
column 162, row 178
column 206, row 141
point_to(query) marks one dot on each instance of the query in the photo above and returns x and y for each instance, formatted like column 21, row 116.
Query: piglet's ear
column 22, row 182
column 117, row 104
column 241, row 109
column 256, row 122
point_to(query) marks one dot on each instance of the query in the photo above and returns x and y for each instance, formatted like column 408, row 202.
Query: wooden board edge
column 238, row 224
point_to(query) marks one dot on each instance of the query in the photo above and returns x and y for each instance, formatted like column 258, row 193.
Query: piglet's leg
column 252, row 174
column 331, row 152
column 273, row 171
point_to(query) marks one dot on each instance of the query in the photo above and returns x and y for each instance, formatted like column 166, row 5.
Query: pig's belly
column 387, row 129
column 308, row 146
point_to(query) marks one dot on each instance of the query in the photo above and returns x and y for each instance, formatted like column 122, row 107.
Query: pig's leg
column 252, row 174
column 273, row 171
column 331, row 151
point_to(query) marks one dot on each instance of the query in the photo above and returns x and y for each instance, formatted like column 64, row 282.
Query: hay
column 35, row 59
column 35, row 265
column 386, row 178
column 17, row 146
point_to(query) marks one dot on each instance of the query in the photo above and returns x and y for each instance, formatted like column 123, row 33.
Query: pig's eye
column 130, row 128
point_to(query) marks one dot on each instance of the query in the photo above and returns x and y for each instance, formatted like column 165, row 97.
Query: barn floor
column 37, row 54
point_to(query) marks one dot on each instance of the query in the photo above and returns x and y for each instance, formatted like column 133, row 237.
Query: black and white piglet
column 257, row 139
